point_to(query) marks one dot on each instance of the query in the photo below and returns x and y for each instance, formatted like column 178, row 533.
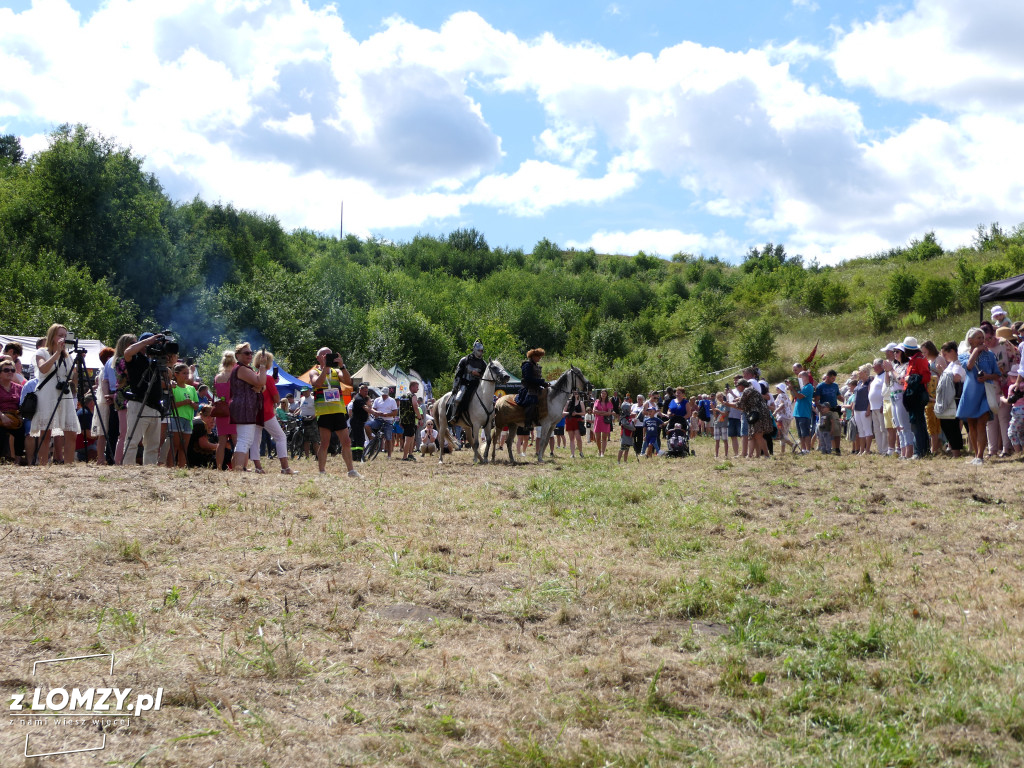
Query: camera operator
column 56, row 413
column 144, row 406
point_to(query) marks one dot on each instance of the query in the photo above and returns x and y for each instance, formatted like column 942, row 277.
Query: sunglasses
column 6, row 370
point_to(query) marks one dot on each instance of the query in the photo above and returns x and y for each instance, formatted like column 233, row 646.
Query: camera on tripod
column 166, row 346
column 71, row 344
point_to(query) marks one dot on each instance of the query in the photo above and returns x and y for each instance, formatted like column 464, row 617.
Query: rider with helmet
column 533, row 383
column 467, row 378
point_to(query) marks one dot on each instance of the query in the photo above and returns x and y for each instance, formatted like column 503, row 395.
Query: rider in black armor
column 467, row 378
column 533, row 383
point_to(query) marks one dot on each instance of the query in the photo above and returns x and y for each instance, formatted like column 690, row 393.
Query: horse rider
column 467, row 378
column 533, row 383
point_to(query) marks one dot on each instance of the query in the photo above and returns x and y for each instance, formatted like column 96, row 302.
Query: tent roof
column 287, row 383
column 1008, row 289
column 374, row 377
column 92, row 347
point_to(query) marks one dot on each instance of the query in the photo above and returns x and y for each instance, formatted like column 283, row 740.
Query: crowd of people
column 913, row 401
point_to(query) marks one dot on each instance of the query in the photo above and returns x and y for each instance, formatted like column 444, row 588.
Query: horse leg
column 508, row 445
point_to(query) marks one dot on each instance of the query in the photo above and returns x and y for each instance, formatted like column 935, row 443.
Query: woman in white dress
column 56, row 398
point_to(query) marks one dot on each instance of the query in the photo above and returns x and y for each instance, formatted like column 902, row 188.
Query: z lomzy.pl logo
column 78, row 705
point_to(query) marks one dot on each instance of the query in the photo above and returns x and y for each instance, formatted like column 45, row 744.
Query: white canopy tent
column 92, row 348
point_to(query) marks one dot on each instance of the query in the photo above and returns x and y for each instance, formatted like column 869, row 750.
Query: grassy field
column 801, row 611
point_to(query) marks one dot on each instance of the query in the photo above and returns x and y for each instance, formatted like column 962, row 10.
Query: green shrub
column 934, row 297
column 901, row 290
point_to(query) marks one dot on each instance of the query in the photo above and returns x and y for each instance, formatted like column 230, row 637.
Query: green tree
column 609, row 341
column 10, row 149
column 398, row 334
column 705, row 353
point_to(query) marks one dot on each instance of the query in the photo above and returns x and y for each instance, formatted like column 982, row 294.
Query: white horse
column 477, row 414
column 508, row 414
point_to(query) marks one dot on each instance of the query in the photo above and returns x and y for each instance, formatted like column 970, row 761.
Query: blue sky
column 839, row 129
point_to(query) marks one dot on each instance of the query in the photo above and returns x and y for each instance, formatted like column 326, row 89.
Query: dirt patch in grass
column 799, row 611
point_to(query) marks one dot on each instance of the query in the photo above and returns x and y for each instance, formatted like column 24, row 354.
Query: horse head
column 586, row 387
column 497, row 372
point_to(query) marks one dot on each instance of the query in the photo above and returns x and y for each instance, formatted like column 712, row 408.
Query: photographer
column 143, row 406
column 56, row 413
column 327, row 378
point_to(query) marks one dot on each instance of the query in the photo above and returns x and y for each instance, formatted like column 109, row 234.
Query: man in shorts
column 384, row 412
column 410, row 418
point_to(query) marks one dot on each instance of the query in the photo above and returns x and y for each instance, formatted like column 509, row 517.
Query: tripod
column 155, row 374
column 63, row 387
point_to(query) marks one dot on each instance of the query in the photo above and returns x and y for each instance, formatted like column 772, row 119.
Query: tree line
column 90, row 239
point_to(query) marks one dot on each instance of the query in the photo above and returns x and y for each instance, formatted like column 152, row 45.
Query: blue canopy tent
column 288, row 384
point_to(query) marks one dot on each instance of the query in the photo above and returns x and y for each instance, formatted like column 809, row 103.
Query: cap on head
column 888, row 347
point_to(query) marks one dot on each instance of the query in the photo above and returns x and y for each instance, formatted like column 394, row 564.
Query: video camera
column 71, row 342
column 166, row 346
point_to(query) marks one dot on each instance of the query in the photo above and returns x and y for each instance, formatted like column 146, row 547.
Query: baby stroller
column 678, row 440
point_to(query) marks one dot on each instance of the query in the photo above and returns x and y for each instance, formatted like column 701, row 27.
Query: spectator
column 12, row 427
column 783, row 419
column 947, row 397
column 104, row 425
column 573, row 414
column 980, row 366
column 184, row 401
column 327, row 378
column 55, row 410
column 246, row 406
column 428, row 438
column 802, row 413
column 14, row 351
column 383, row 410
column 202, row 449
column 85, row 443
column 862, row 409
column 271, row 398
column 411, row 419
column 759, row 417
column 359, row 414
column 915, row 396
column 603, row 417
column 226, row 431
column 876, row 402
column 828, row 392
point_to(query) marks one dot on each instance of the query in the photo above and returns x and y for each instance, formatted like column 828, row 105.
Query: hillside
column 87, row 238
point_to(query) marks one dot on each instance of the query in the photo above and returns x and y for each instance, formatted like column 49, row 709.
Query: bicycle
column 374, row 444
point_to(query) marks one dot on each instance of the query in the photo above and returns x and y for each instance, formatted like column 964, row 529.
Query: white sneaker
column 976, row 462
column 353, row 473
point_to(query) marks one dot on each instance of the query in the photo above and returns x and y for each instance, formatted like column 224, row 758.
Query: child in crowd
column 626, row 425
column 720, row 415
column 1015, row 432
column 652, row 428
column 828, row 422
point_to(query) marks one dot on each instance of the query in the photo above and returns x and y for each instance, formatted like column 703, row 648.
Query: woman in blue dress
column 973, row 409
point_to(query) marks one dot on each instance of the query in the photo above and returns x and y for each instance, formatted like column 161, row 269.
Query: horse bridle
column 572, row 382
column 476, row 393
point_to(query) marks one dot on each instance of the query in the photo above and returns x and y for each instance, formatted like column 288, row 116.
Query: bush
column 934, row 297
column 880, row 317
column 900, row 293
column 609, row 340
column 705, row 354
column 923, row 250
column 824, row 296
column 757, row 343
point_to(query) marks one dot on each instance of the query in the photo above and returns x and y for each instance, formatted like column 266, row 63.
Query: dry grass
column 795, row 612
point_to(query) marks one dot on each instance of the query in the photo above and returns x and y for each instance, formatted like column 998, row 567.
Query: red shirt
column 9, row 401
column 919, row 365
column 269, row 396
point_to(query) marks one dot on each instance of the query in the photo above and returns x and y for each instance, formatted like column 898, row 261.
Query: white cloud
column 539, row 186
column 663, row 242
column 276, row 106
column 296, row 125
column 962, row 55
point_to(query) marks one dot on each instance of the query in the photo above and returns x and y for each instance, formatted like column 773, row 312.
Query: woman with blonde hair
column 222, row 388
column 271, row 397
column 55, row 414
column 981, row 367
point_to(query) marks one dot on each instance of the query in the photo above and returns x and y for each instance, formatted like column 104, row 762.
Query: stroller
column 678, row 440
